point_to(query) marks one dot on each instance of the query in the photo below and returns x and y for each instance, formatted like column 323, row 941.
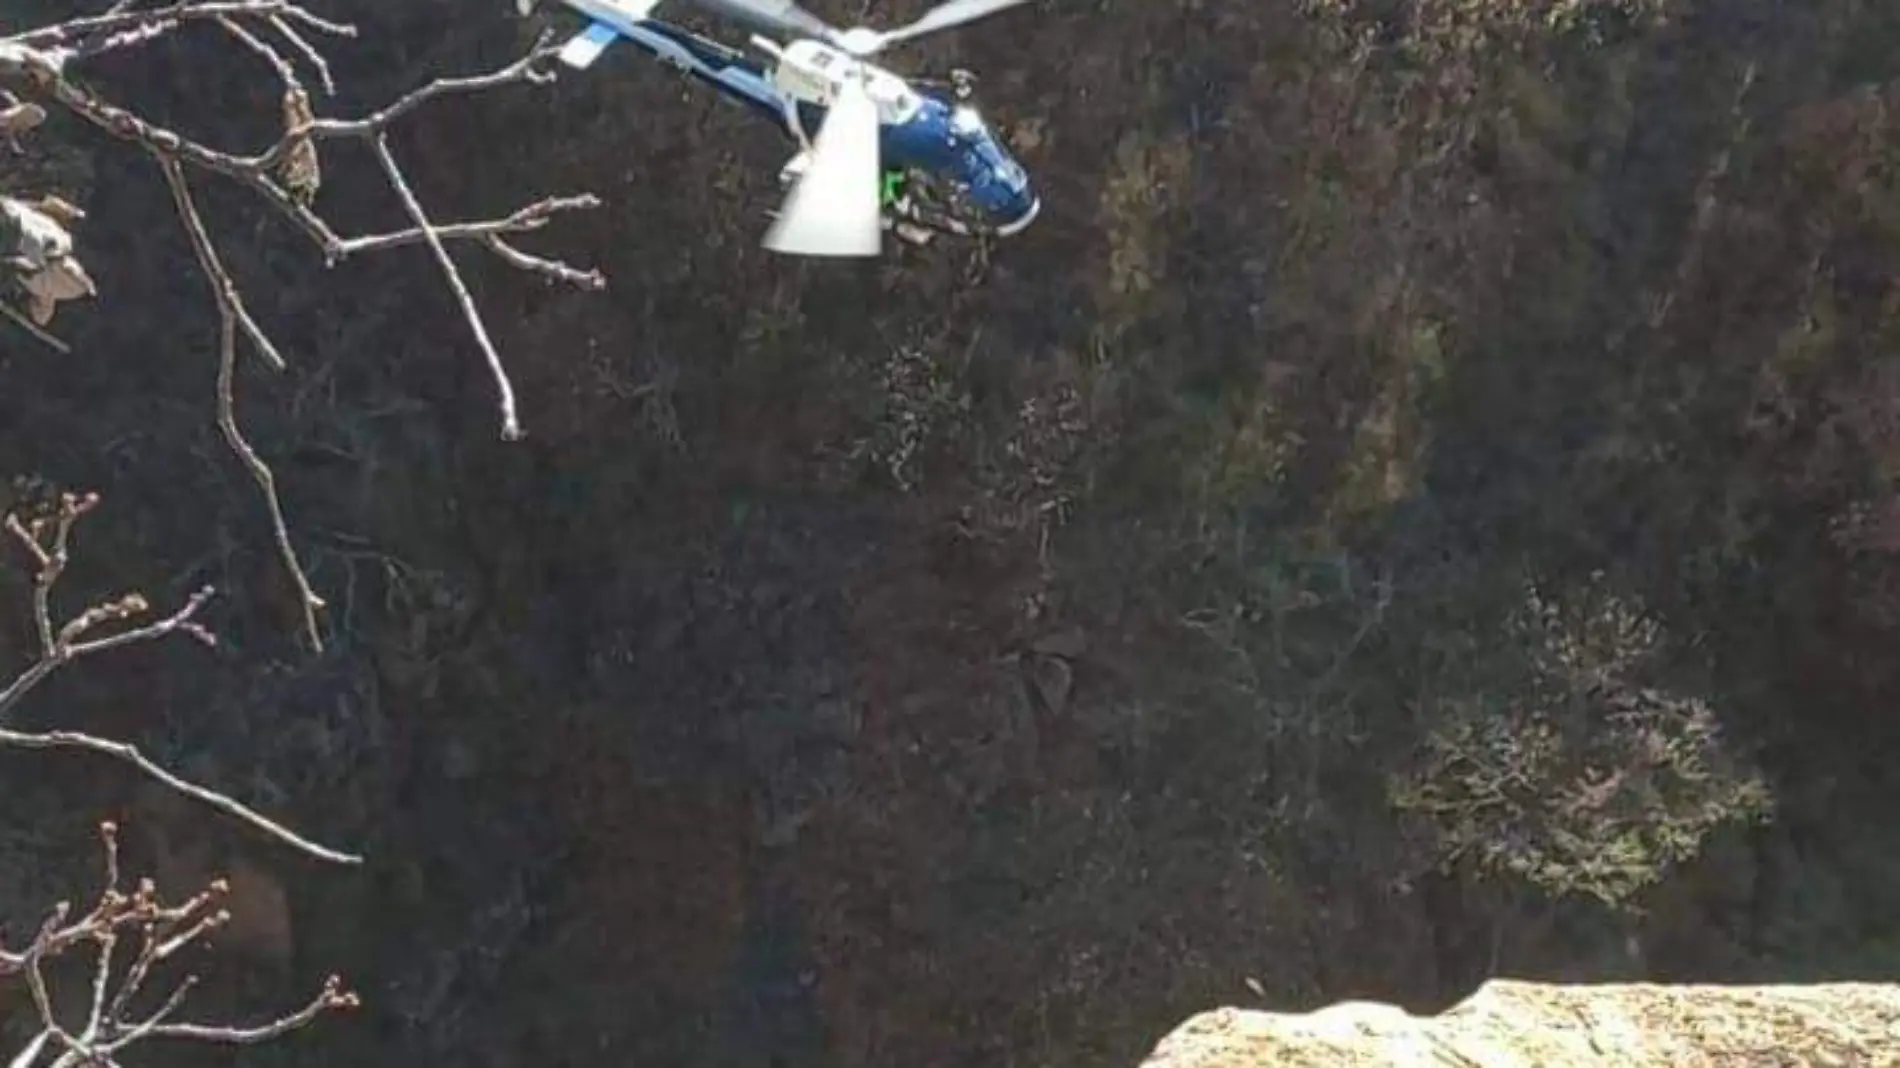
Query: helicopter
column 874, row 151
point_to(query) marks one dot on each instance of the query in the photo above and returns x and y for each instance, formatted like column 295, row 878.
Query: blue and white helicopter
column 886, row 153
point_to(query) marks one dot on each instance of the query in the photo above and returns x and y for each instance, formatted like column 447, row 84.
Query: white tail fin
column 834, row 209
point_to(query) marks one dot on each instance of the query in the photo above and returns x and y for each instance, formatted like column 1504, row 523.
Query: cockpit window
column 997, row 167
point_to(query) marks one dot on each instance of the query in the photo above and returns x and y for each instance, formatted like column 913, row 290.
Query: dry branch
column 287, row 176
column 162, row 931
column 48, row 542
column 19, row 318
column 232, row 314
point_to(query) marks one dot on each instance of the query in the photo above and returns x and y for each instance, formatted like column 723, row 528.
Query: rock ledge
column 1510, row 1024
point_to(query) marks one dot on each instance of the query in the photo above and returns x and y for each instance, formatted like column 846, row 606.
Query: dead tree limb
column 231, row 315
column 48, row 543
column 162, row 931
column 287, row 176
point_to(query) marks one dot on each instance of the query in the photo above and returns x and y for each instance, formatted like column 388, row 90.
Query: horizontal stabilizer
column 585, row 47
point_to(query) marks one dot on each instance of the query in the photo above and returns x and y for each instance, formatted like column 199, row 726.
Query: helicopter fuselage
column 921, row 132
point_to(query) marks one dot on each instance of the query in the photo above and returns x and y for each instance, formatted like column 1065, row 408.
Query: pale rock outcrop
column 1508, row 1024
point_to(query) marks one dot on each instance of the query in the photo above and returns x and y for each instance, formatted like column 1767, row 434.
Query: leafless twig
column 48, row 542
column 162, row 931
column 510, row 423
column 287, row 176
column 231, row 315
column 130, row 754
column 310, row 53
column 65, row 34
column 32, row 328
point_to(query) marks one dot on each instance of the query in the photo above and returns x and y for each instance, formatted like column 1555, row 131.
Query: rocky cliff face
column 1538, row 1025
column 1421, row 490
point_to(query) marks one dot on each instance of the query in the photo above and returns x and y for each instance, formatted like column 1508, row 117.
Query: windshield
column 981, row 144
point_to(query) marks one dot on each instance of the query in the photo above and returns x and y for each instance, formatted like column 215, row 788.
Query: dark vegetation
column 1419, row 506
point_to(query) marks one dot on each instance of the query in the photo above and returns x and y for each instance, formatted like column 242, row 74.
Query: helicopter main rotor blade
column 834, row 209
column 943, row 16
column 780, row 16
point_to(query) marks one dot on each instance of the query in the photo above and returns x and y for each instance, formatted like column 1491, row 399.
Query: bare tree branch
column 48, row 542
column 532, row 217
column 33, row 328
column 132, row 933
column 510, row 423
column 130, row 754
column 41, row 73
column 64, row 34
column 310, row 53
column 231, row 315
column 162, row 931
column 63, row 646
column 287, row 176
